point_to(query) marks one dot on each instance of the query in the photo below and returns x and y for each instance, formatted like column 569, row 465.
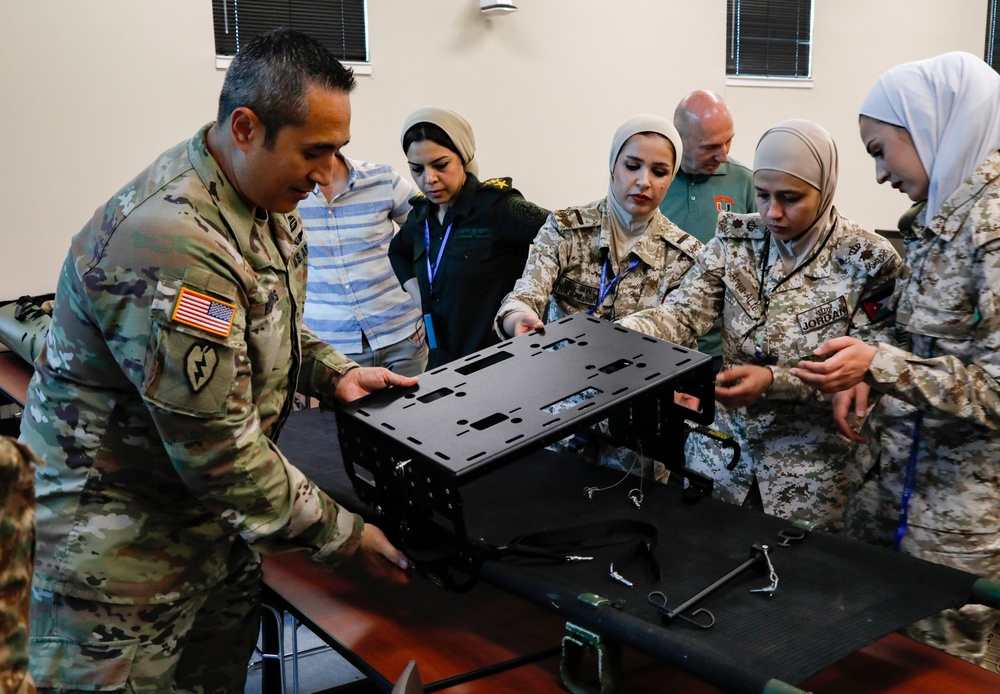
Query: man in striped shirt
column 353, row 299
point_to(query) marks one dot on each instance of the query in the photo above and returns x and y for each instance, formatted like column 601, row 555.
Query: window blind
column 769, row 38
column 340, row 25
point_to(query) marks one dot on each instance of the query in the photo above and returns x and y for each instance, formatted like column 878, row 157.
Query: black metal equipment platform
column 409, row 450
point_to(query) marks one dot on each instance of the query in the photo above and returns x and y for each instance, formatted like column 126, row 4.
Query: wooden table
column 490, row 641
column 14, row 376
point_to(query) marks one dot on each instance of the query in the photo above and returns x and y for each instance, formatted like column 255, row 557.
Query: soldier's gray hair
column 271, row 75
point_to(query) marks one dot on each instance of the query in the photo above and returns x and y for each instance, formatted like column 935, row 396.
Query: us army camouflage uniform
column 945, row 363
column 563, row 276
column 157, row 421
column 803, row 467
column 17, row 546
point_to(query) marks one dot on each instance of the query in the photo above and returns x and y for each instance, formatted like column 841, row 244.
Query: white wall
column 91, row 91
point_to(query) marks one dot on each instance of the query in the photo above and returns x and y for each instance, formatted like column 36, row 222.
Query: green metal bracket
column 779, row 687
column 986, row 592
column 576, row 644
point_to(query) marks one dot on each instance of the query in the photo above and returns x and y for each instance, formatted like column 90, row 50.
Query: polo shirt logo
column 724, row 203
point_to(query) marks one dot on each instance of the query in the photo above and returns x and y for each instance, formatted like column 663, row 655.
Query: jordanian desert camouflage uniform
column 948, row 315
column 803, row 467
column 563, row 272
column 175, row 348
column 563, row 276
column 17, row 547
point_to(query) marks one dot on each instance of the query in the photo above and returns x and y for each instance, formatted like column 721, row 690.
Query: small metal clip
column 772, row 575
column 636, row 496
column 618, row 577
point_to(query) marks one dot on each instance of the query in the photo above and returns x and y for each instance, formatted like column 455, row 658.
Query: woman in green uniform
column 465, row 241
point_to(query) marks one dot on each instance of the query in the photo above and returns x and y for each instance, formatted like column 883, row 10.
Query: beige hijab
column 627, row 229
column 456, row 127
column 805, row 150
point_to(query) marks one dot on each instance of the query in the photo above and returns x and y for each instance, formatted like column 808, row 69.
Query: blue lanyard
column 606, row 287
column 909, row 484
column 910, row 481
column 432, row 270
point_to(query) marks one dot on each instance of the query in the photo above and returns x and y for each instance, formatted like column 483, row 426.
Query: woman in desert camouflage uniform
column 784, row 281
column 932, row 127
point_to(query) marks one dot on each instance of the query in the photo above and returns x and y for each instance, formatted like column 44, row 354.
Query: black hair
column 428, row 131
column 271, row 74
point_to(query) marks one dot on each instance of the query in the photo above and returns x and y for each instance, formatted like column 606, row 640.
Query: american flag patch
column 204, row 312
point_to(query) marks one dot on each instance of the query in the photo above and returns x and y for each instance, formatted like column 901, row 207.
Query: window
column 992, row 53
column 769, row 38
column 340, row 25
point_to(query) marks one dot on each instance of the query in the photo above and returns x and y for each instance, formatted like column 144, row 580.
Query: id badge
column 432, row 342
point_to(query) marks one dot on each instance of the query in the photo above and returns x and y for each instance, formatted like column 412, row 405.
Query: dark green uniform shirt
column 492, row 226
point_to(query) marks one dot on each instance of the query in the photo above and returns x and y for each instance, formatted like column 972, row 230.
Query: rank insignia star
column 497, row 183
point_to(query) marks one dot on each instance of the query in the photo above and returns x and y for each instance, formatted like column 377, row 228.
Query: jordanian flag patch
column 204, row 312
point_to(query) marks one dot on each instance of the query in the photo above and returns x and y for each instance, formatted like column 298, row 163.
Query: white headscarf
column 627, row 228
column 950, row 105
column 456, row 127
column 805, row 150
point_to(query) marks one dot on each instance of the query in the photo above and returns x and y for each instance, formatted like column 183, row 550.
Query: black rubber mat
column 834, row 595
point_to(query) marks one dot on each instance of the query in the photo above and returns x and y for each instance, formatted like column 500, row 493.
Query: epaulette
column 578, row 217
column 740, row 226
column 679, row 238
column 497, row 183
column 983, row 216
column 863, row 249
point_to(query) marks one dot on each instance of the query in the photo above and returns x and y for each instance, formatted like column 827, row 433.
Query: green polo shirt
column 694, row 202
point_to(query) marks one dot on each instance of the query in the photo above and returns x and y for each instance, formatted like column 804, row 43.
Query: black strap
column 567, row 544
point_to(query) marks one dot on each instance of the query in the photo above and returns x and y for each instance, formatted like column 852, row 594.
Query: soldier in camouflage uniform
column 784, row 281
column 932, row 129
column 614, row 256
column 174, row 352
column 637, row 255
column 17, row 548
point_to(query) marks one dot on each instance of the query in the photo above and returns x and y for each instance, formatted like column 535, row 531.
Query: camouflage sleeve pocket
column 195, row 338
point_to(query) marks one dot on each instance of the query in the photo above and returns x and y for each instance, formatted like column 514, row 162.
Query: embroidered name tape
column 200, row 311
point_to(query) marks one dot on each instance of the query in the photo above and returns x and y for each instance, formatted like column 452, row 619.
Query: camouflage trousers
column 872, row 516
column 201, row 644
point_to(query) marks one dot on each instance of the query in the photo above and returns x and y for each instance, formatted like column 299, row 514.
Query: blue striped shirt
column 352, row 288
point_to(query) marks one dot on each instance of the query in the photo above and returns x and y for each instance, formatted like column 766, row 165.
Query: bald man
column 709, row 182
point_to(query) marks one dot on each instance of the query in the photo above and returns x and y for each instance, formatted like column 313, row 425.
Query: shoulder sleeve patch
column 204, row 312
column 527, row 212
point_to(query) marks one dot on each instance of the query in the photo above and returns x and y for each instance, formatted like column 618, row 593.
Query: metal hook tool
column 757, row 561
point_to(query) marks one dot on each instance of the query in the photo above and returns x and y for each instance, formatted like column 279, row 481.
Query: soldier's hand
column 365, row 380
column 381, row 559
column 850, row 407
column 521, row 322
column 742, row 385
column 845, row 367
